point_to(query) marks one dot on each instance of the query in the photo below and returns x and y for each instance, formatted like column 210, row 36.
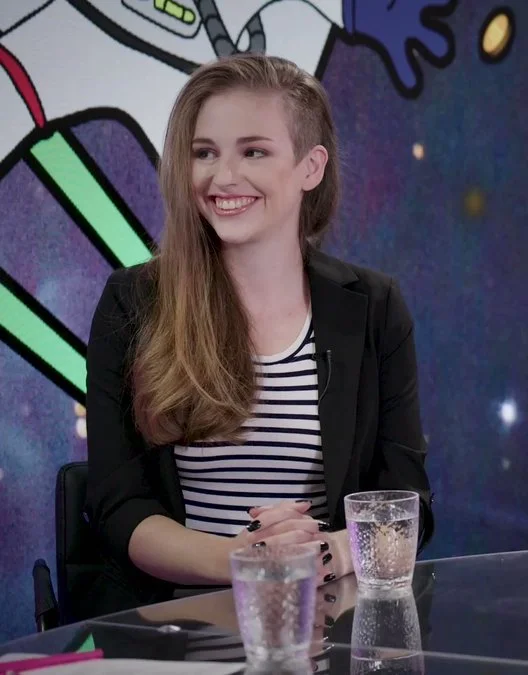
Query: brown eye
column 255, row 153
column 203, row 153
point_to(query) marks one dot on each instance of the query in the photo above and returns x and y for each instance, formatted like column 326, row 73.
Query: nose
column 226, row 172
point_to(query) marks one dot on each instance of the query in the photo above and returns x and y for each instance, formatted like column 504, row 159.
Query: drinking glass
column 274, row 589
column 383, row 535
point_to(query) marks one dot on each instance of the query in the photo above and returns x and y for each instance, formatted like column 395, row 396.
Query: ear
column 314, row 165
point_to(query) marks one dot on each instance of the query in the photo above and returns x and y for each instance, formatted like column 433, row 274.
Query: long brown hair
column 192, row 371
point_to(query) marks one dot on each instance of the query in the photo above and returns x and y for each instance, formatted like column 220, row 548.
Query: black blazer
column 370, row 420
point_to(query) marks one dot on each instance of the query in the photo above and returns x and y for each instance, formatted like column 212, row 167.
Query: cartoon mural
column 86, row 87
column 161, row 42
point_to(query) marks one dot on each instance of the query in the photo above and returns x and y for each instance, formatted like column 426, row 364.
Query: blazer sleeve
column 401, row 446
column 119, row 493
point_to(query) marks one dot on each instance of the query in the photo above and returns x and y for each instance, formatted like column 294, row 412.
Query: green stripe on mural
column 37, row 336
column 62, row 164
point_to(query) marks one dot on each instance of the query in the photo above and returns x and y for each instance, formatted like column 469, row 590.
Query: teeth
column 231, row 204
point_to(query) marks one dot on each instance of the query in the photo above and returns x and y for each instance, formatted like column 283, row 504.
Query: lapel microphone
column 326, row 357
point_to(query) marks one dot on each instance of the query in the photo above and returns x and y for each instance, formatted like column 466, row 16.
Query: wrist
column 225, row 547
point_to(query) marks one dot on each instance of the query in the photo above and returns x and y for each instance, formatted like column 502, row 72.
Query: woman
column 241, row 370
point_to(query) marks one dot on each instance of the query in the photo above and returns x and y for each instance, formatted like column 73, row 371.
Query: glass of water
column 383, row 534
column 274, row 589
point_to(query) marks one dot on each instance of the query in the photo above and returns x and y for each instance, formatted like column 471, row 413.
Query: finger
column 405, row 70
column 256, row 511
column 317, row 644
column 319, row 619
column 276, row 515
column 325, row 570
column 260, row 527
column 320, row 642
column 301, row 506
column 325, row 601
column 437, row 4
column 293, row 523
column 292, row 537
column 326, row 579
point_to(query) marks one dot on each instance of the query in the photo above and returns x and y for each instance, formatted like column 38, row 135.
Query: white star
column 508, row 412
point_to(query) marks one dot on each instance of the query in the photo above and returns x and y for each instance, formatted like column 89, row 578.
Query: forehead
column 241, row 113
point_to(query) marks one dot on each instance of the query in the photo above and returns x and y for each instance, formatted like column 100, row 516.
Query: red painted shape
column 23, row 85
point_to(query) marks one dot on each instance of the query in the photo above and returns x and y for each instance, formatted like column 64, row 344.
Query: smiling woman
column 242, row 374
column 236, row 172
column 210, row 158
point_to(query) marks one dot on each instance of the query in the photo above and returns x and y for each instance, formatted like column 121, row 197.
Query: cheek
column 199, row 180
column 287, row 188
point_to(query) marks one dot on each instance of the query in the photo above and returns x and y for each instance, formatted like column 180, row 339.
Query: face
column 247, row 181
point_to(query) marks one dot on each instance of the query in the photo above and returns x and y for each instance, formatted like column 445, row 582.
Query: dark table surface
column 464, row 615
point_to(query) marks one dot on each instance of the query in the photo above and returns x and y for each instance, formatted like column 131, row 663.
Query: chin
column 237, row 235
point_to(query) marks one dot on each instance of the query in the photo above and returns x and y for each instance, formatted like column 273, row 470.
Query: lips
column 231, row 205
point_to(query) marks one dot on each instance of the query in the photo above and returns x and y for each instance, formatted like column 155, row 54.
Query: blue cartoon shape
column 397, row 29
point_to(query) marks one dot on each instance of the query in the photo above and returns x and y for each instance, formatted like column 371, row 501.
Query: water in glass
column 383, row 538
column 275, row 615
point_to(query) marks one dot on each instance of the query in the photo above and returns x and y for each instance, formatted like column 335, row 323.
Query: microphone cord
column 326, row 356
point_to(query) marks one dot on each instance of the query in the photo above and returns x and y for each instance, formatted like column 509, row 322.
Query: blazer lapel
column 339, row 319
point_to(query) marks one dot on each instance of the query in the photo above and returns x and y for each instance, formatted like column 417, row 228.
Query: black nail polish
column 330, row 598
column 323, row 527
column 253, row 525
column 329, row 578
column 329, row 622
column 259, row 544
column 327, row 558
column 325, row 546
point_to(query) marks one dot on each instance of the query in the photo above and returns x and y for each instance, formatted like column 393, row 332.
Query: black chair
column 77, row 557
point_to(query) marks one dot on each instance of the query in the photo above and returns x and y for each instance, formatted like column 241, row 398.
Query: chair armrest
column 46, row 607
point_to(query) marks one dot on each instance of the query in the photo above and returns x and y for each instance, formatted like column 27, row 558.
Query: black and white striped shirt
column 280, row 458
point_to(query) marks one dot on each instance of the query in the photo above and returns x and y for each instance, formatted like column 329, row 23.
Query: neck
column 269, row 276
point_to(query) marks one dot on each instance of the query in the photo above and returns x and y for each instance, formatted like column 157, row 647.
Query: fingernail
column 323, row 527
column 327, row 558
column 329, row 622
column 249, row 508
column 329, row 578
column 325, row 546
column 303, row 501
column 315, row 666
column 330, row 598
column 253, row 525
column 259, row 544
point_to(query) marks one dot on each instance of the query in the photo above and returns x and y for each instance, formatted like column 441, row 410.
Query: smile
column 231, row 206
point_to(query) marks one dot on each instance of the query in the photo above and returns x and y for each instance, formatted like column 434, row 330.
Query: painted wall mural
column 426, row 96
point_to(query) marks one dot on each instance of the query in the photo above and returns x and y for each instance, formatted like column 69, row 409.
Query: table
column 471, row 617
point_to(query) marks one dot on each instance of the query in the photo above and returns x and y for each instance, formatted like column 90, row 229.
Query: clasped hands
column 288, row 523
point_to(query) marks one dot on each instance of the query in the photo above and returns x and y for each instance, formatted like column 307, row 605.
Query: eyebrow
column 240, row 141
